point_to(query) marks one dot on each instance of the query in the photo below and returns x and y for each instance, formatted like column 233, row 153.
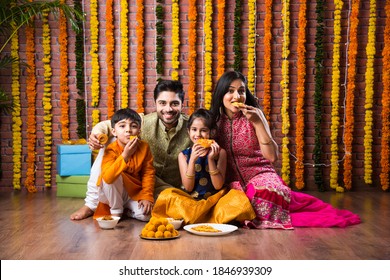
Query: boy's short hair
column 124, row 114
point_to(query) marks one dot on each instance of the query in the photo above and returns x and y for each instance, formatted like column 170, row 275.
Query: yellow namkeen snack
column 205, row 228
column 107, row 218
column 159, row 228
column 205, row 143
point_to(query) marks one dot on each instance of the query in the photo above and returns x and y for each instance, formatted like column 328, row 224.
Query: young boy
column 128, row 176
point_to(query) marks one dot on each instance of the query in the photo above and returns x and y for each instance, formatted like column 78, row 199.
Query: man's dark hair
column 169, row 85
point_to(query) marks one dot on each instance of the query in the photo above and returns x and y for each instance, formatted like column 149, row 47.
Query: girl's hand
column 130, row 148
column 198, row 151
column 146, row 206
column 214, row 151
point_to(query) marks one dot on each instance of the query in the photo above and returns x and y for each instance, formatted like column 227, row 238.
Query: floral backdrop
column 319, row 68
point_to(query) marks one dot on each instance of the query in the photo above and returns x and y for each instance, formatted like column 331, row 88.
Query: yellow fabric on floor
column 222, row 207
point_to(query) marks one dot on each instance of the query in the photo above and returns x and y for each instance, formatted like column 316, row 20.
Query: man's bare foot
column 83, row 213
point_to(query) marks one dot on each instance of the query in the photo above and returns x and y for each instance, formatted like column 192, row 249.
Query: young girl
column 202, row 169
column 202, row 166
column 245, row 135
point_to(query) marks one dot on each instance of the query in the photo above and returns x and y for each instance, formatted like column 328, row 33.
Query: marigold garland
column 208, row 68
column 64, row 88
column 267, row 77
column 349, row 117
column 385, row 141
column 284, row 85
column 175, row 39
column 95, row 68
column 299, row 140
column 251, row 45
column 110, row 46
column 16, row 115
column 221, row 38
column 31, row 98
column 335, row 121
column 95, row 116
column 140, row 56
column 369, row 100
column 124, row 32
column 192, row 17
column 319, row 86
column 46, row 100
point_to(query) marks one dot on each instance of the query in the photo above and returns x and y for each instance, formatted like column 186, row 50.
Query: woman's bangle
column 214, row 172
column 268, row 143
column 190, row 176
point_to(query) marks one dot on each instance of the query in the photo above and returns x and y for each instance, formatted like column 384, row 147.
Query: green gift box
column 72, row 186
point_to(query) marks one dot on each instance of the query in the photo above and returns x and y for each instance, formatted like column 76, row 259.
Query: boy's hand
column 146, row 206
column 130, row 148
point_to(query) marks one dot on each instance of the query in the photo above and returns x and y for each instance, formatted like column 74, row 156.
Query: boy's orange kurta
column 138, row 173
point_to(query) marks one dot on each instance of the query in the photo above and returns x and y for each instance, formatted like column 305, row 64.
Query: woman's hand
column 263, row 132
column 253, row 114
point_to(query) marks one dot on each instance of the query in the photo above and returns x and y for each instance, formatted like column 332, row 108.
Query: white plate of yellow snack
column 210, row 229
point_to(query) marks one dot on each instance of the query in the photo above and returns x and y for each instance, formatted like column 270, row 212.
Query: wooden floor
column 37, row 227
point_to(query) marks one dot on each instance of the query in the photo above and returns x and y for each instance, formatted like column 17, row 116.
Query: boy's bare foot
column 83, row 213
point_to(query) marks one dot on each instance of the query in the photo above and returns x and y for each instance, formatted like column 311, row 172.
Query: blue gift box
column 73, row 160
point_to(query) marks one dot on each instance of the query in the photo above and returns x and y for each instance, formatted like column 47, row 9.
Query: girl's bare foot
column 83, row 213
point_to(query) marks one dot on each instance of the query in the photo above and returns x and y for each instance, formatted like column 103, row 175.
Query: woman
column 245, row 135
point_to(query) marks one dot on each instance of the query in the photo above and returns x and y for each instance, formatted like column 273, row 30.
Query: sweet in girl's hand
column 205, row 143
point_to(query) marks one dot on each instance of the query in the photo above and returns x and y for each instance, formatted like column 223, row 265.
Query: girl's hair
column 222, row 87
column 207, row 117
column 125, row 114
column 169, row 85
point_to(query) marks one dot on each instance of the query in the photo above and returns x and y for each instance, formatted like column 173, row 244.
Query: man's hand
column 93, row 142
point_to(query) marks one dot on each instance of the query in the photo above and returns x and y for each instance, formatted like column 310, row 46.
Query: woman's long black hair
column 222, row 87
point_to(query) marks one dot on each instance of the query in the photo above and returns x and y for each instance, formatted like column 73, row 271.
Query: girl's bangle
column 268, row 143
column 190, row 176
column 214, row 172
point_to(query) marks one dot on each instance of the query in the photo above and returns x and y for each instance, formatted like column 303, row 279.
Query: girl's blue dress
column 203, row 186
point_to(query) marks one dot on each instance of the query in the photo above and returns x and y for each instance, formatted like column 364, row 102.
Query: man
column 166, row 132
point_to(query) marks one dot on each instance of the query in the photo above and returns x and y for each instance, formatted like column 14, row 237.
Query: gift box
column 73, row 160
column 72, row 186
